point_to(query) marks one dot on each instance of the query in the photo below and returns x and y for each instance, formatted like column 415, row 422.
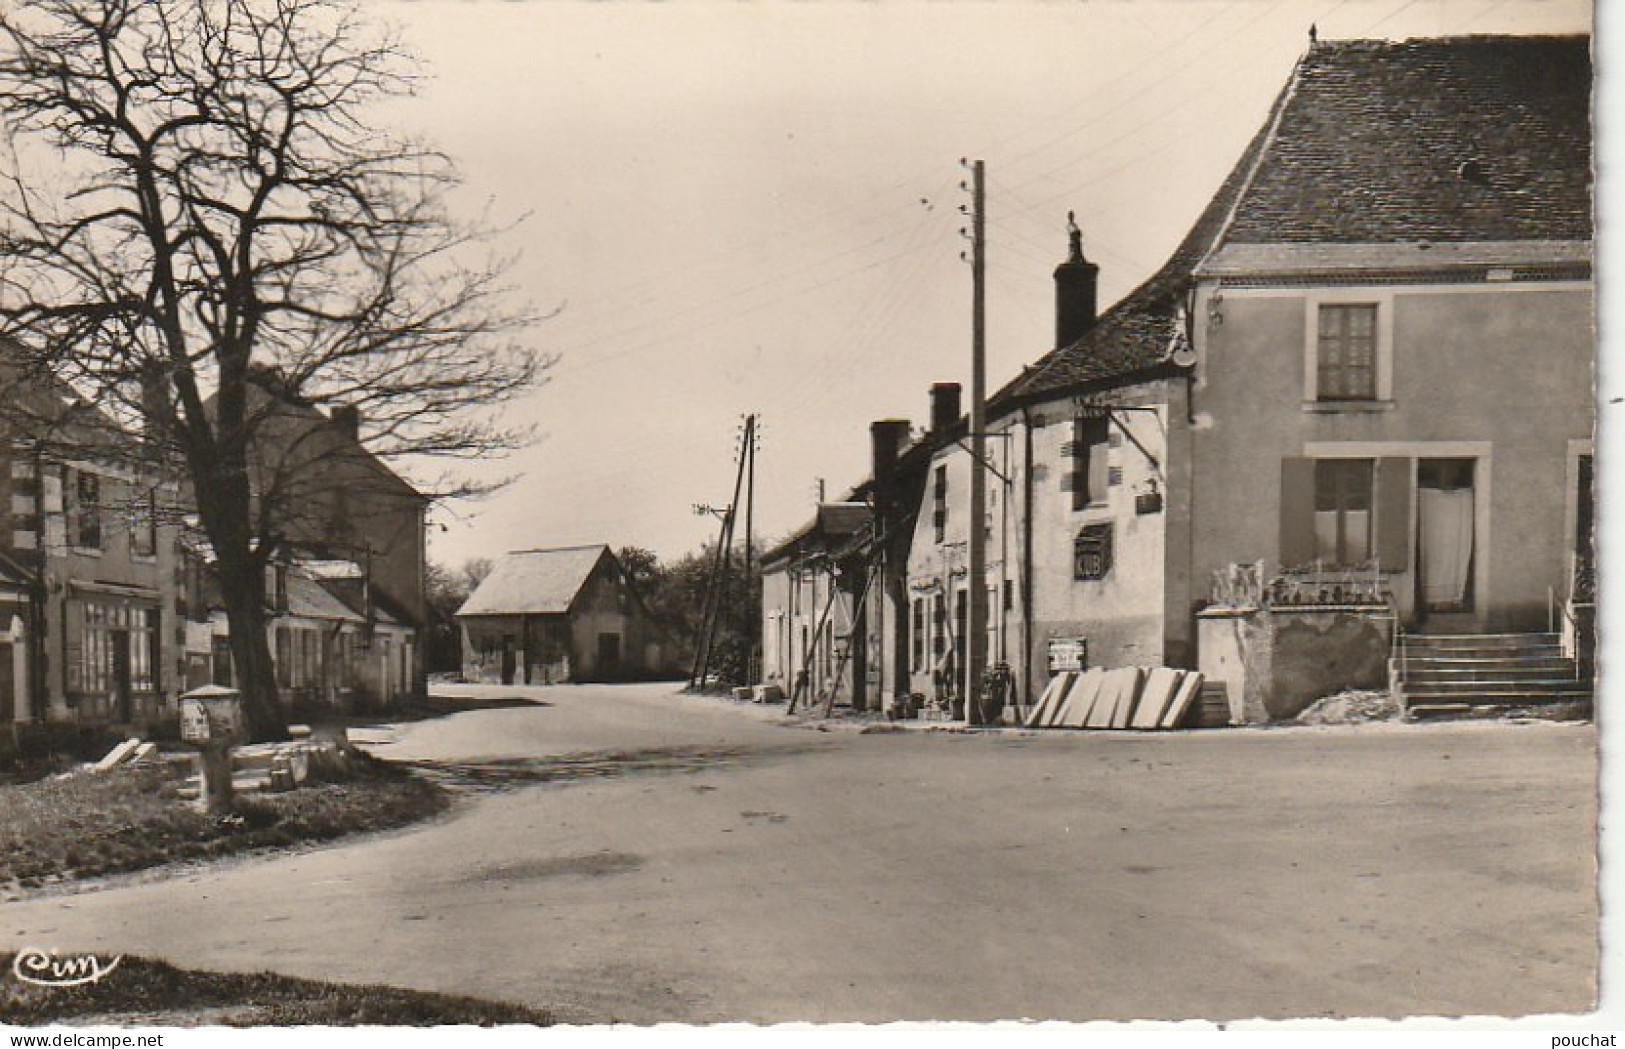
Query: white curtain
column 1447, row 544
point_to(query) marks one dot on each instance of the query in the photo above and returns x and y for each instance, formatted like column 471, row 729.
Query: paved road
column 742, row 869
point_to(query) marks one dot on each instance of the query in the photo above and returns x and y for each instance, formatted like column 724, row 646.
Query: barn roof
column 537, row 582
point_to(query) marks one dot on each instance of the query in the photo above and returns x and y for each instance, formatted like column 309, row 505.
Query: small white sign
column 1067, row 653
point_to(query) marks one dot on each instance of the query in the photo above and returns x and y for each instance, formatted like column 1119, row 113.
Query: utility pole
column 976, row 643
column 717, row 593
column 752, row 609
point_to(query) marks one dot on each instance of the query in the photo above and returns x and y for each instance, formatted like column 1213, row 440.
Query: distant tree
column 199, row 226
column 447, row 589
column 473, row 573
column 675, row 593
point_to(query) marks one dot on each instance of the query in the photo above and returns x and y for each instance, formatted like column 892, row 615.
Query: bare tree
column 201, row 230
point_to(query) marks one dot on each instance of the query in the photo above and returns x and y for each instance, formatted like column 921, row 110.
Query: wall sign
column 1068, row 653
column 1092, row 552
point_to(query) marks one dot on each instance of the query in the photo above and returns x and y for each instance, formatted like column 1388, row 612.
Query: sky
column 733, row 209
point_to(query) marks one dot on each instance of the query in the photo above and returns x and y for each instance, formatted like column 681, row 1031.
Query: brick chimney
column 944, row 406
column 157, row 406
column 1076, row 283
column 347, row 417
column 886, row 439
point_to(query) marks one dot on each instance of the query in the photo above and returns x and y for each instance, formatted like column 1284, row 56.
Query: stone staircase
column 1490, row 675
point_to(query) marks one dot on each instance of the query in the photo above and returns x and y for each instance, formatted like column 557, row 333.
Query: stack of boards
column 1123, row 697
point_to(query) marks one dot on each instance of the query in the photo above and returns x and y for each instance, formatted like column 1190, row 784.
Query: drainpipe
column 1026, row 559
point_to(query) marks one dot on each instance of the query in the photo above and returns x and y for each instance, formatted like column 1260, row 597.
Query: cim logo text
column 48, row 970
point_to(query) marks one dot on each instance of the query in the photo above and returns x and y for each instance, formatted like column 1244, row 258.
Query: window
column 1343, row 504
column 961, row 627
column 1347, row 512
column 1087, row 478
column 1346, row 353
column 144, row 527
column 111, row 635
column 939, row 503
column 143, row 649
column 917, row 626
column 86, row 520
column 284, row 657
column 1092, row 552
column 939, row 627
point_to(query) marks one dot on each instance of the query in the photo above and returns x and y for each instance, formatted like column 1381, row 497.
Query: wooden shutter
column 1393, row 513
column 1297, row 512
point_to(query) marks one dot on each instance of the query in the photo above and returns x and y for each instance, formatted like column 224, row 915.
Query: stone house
column 568, row 614
column 89, row 635
column 1353, row 407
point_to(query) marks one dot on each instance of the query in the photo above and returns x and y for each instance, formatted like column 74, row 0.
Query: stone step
column 1506, row 672
column 1496, row 685
column 1484, row 648
column 1481, row 642
column 1501, row 696
column 1563, row 709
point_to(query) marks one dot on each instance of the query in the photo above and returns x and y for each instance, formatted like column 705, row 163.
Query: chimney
column 157, row 407
column 944, row 406
column 347, row 417
column 1076, row 281
column 886, row 439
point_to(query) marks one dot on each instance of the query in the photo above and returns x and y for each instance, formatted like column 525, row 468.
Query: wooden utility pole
column 721, row 569
column 752, row 608
column 976, row 643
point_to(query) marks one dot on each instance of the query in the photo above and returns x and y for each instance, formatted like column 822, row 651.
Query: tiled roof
column 538, row 582
column 1133, row 336
column 308, row 598
column 1366, row 145
column 1465, row 138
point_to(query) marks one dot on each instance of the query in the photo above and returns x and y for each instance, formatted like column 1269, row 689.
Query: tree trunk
column 243, row 589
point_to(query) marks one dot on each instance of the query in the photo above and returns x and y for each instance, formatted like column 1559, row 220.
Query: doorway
column 121, row 677
column 609, row 655
column 1446, row 546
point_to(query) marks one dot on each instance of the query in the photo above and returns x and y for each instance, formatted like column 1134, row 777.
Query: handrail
column 1570, row 621
column 1397, row 651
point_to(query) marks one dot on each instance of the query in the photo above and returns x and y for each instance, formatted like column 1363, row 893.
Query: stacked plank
column 1122, row 697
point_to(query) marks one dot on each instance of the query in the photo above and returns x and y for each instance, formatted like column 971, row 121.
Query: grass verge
column 153, row 993
column 92, row 824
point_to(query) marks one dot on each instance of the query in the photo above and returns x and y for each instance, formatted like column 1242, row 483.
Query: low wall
column 1275, row 662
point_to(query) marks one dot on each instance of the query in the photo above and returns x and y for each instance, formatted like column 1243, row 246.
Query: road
column 738, row 868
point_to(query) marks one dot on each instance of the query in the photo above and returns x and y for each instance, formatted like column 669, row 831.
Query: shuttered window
column 1343, row 501
column 1088, row 476
column 1346, row 512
